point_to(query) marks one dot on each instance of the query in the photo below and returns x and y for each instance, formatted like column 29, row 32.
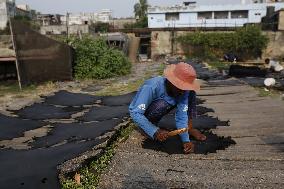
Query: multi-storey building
column 194, row 15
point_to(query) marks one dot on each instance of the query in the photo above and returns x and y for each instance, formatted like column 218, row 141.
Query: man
column 274, row 65
column 159, row 95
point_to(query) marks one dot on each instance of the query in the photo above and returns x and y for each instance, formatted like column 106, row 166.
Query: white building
column 194, row 15
column 87, row 18
column 24, row 7
column 7, row 9
column 104, row 16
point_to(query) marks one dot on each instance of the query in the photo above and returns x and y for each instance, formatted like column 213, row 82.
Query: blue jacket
column 154, row 89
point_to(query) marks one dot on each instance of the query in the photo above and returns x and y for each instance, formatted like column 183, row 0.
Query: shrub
column 247, row 42
column 142, row 23
column 101, row 27
column 95, row 60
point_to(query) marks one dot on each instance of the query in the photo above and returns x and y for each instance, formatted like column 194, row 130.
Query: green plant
column 140, row 11
column 141, row 23
column 101, row 27
column 250, row 41
column 95, row 60
column 12, row 87
column 90, row 175
column 246, row 42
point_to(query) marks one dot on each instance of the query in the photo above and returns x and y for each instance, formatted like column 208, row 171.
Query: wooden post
column 16, row 54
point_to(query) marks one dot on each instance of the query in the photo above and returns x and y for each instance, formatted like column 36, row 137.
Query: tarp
column 40, row 58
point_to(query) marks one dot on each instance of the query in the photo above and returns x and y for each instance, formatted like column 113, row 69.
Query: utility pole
column 67, row 25
column 173, row 37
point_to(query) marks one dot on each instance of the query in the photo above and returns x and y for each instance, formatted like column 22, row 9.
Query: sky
column 120, row 8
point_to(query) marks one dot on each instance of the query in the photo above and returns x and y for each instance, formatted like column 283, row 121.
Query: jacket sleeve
column 138, row 107
column 182, row 118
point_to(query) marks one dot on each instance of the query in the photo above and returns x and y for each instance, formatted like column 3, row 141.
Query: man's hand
column 195, row 133
column 162, row 135
column 188, row 147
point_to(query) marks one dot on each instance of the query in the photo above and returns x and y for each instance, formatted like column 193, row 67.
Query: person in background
column 274, row 66
column 159, row 95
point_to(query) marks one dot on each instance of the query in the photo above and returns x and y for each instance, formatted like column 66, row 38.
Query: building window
column 204, row 15
column 172, row 16
column 239, row 14
column 221, row 15
column 257, row 14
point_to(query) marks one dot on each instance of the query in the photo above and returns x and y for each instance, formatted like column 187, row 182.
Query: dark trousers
column 157, row 110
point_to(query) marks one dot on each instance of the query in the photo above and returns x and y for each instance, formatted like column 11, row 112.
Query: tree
column 140, row 10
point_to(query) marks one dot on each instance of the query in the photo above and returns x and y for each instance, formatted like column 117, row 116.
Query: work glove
column 188, row 147
column 161, row 135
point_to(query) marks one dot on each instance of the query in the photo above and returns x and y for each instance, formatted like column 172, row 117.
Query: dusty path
column 255, row 161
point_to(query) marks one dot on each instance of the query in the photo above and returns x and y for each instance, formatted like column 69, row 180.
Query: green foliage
column 246, row 42
column 141, row 23
column 140, row 11
column 250, row 41
column 12, row 87
column 22, row 18
column 95, row 60
column 101, row 27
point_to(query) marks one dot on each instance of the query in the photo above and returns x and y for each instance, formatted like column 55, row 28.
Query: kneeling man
column 159, row 95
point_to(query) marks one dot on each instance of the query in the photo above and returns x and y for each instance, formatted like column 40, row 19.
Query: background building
column 7, row 9
column 24, row 10
column 119, row 23
column 104, row 16
column 193, row 15
column 49, row 19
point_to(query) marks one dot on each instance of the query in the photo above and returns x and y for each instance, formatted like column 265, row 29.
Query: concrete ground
column 255, row 161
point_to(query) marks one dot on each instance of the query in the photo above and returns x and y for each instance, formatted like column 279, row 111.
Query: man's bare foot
column 197, row 134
